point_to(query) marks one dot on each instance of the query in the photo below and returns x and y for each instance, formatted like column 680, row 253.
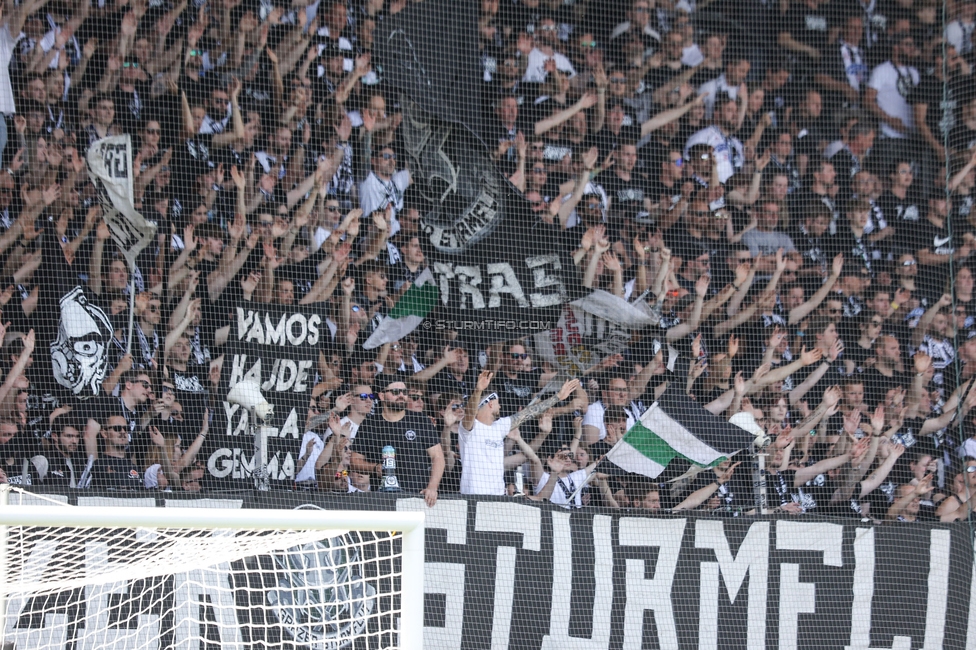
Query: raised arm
column 800, row 312
column 533, row 411
column 586, row 101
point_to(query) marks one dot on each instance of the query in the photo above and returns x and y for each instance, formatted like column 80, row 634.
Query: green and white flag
column 677, row 427
column 408, row 313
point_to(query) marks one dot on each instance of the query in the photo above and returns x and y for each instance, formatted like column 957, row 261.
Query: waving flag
column 677, row 427
column 408, row 313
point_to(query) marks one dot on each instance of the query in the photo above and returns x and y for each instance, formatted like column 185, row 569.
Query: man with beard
column 64, row 457
column 517, row 380
column 419, row 455
column 482, row 436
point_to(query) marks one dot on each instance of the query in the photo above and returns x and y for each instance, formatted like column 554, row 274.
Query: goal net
column 135, row 578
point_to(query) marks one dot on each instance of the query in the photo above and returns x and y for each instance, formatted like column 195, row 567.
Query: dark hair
column 614, row 414
column 131, row 376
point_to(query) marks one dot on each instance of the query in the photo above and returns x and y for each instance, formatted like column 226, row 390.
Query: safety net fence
column 690, row 283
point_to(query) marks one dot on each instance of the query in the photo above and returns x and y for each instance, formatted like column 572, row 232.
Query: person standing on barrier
column 419, row 456
column 482, row 436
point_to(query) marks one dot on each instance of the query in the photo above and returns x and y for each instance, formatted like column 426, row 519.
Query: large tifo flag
column 677, row 427
column 408, row 313
column 110, row 169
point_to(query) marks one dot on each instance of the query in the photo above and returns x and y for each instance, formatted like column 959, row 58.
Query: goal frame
column 410, row 524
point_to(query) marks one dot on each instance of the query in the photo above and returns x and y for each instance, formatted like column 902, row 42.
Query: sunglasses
column 196, row 52
column 397, row 391
column 342, row 474
column 594, row 206
column 167, row 389
column 457, row 407
column 415, row 397
column 367, row 396
column 388, row 156
column 588, row 44
column 547, row 28
column 266, row 224
column 395, row 347
column 678, row 162
column 538, row 170
column 909, row 263
column 971, row 469
column 520, row 355
column 356, row 309
column 145, row 384
column 130, row 64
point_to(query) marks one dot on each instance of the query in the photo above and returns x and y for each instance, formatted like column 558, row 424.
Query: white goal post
column 185, row 538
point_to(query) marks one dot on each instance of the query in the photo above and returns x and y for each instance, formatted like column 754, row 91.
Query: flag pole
column 132, row 303
column 576, row 492
column 606, row 456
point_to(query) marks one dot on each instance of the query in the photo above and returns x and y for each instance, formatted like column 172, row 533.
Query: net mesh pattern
column 140, row 588
column 528, row 266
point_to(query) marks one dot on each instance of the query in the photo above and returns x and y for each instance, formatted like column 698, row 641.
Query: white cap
column 747, row 421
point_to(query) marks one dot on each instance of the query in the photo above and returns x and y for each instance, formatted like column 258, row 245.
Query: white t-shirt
column 7, row 42
column 375, row 194
column 594, row 417
column 535, row 71
column 564, row 488
column 893, row 86
column 308, row 470
column 483, row 457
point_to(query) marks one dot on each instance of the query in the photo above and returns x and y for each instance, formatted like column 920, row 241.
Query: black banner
column 503, row 573
column 498, row 267
column 278, row 348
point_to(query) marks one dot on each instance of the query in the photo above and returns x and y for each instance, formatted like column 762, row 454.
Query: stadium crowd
column 791, row 183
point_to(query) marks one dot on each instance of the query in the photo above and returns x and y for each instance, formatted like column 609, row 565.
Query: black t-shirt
column 813, row 249
column 657, row 77
column 808, row 26
column 626, row 197
column 411, row 437
column 515, row 393
column 810, row 137
column 877, row 385
column 942, row 100
column 962, row 138
column 834, row 376
column 131, row 108
column 938, row 240
column 446, row 382
column 606, row 141
column 899, row 213
column 61, row 469
column 856, row 250
column 733, row 497
column 110, row 473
